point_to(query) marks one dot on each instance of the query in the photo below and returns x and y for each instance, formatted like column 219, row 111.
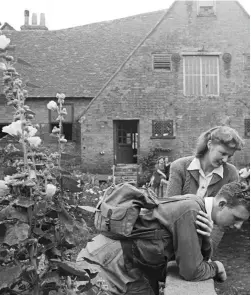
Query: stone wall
column 141, row 93
column 39, row 106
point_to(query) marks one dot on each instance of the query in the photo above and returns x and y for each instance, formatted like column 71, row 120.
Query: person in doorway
column 133, row 266
column 208, row 170
column 164, row 180
column 158, row 175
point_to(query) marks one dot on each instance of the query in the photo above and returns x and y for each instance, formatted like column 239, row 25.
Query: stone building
column 76, row 61
column 154, row 80
column 189, row 73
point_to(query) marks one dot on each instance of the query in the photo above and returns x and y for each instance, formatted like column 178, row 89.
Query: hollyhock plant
column 4, row 42
column 38, row 221
column 50, row 190
column 34, row 141
column 13, row 129
column 31, row 131
column 52, row 105
column 4, row 189
column 2, row 66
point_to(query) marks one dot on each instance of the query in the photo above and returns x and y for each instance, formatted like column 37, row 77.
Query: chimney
column 26, row 17
column 34, row 24
column 42, row 19
column 34, row 19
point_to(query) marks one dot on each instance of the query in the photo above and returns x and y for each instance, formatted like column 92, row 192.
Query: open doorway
column 126, row 141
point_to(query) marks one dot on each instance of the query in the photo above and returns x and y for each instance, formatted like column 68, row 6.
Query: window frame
column 168, row 55
column 201, row 54
column 163, row 137
column 199, row 2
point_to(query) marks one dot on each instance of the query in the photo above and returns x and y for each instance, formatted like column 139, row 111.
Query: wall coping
column 175, row 285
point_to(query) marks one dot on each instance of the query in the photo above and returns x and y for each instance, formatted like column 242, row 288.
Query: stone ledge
column 175, row 285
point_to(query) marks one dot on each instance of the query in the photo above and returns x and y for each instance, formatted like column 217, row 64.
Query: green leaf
column 70, row 268
column 17, row 233
column 10, row 212
column 75, row 234
column 23, row 62
column 11, row 155
column 57, row 171
column 88, row 208
column 69, row 183
column 23, row 202
column 9, row 275
column 50, row 281
column 9, row 171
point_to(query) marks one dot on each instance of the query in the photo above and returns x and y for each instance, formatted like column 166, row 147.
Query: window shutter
column 162, row 61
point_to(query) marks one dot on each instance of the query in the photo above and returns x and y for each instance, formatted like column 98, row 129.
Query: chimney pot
column 34, row 19
column 42, row 19
column 26, row 17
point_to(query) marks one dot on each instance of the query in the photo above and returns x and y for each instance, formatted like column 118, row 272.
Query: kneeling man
column 133, row 266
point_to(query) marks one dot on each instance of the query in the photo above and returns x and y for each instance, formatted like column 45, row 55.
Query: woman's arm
column 161, row 173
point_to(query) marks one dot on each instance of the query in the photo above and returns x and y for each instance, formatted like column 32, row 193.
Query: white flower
column 31, row 131
column 7, row 179
column 62, row 139
column 3, row 188
column 34, row 141
column 244, row 173
column 60, row 96
column 14, row 128
column 52, row 105
column 4, row 42
column 2, row 66
column 55, row 130
column 50, row 190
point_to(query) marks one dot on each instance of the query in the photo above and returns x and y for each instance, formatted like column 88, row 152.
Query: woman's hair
column 236, row 193
column 159, row 158
column 224, row 135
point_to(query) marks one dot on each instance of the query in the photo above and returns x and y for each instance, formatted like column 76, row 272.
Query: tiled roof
column 78, row 61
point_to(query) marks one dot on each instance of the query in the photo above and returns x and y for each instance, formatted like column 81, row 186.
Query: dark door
column 126, row 141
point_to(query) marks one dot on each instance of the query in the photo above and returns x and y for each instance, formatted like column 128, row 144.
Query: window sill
column 162, row 137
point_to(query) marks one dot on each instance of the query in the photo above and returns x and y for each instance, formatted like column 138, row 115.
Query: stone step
column 125, row 173
column 120, row 179
column 123, row 167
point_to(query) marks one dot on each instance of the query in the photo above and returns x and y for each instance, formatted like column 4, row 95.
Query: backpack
column 119, row 208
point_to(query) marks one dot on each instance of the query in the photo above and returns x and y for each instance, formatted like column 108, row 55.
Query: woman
column 208, row 170
column 158, row 175
column 164, row 180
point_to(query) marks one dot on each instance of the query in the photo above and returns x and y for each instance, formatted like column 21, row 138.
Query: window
column 201, row 75
column 206, row 8
column 247, row 128
column 67, row 123
column 162, row 129
column 162, row 61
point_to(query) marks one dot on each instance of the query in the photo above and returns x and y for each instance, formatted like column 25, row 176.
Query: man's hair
column 224, row 135
column 236, row 193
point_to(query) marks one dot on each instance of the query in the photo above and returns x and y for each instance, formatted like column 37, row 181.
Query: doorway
column 126, row 141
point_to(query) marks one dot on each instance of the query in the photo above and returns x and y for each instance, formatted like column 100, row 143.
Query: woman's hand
column 205, row 224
